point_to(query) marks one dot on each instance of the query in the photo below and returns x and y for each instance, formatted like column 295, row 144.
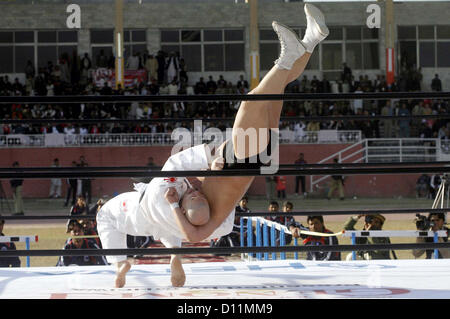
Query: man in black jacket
column 7, row 261
column 16, row 185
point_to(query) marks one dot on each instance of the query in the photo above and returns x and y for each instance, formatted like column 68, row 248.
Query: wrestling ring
column 256, row 278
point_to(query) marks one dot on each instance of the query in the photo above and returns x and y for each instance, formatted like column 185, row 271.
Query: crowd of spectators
column 167, row 73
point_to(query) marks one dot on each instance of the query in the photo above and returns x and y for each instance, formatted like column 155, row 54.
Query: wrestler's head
column 195, row 206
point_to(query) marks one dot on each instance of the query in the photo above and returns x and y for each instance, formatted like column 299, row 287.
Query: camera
column 423, row 223
column 368, row 219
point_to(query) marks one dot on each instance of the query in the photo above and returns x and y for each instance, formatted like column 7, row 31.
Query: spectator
column 200, row 87
column 151, row 66
column 270, row 187
column 434, row 222
column 404, row 125
column 72, row 188
column 300, row 179
column 76, row 242
column 133, row 62
column 346, row 76
column 316, row 224
column 211, row 85
column 388, row 125
column 281, row 186
column 172, row 66
column 436, row 84
column 242, row 83
column 337, row 183
column 435, row 183
column 161, row 66
column 55, row 183
column 86, row 183
column 423, row 186
column 16, row 186
column 282, row 220
column 7, row 261
column 102, row 59
column 371, row 222
column 80, row 207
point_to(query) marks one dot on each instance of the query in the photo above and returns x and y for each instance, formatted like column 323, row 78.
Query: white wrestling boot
column 291, row 46
column 316, row 30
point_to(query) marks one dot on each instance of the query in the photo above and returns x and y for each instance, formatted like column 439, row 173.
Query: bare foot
column 178, row 277
column 122, row 268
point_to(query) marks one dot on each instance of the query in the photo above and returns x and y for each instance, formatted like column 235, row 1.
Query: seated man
column 283, row 220
column 209, row 212
column 76, row 229
column 7, row 261
column 371, row 222
column 316, row 224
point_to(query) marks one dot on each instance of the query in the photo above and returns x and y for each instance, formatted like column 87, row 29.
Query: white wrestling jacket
column 153, row 216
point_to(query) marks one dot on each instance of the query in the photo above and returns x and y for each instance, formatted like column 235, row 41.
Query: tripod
column 440, row 195
column 3, row 200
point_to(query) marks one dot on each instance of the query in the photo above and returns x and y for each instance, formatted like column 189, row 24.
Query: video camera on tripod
column 423, row 222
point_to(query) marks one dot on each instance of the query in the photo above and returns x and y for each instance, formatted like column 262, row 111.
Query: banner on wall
column 131, row 77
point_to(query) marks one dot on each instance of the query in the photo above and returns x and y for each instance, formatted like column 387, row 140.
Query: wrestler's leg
column 294, row 56
column 276, row 106
column 253, row 117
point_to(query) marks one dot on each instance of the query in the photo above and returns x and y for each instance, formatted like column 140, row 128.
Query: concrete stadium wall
column 364, row 185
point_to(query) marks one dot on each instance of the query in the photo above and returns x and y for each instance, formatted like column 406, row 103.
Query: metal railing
column 390, row 150
column 159, row 139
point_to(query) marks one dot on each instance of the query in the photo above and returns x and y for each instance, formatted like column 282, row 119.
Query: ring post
column 436, row 240
column 273, row 241
column 258, row 238
column 242, row 235
column 249, row 235
column 353, row 243
column 265, row 239
column 27, row 245
column 295, row 244
column 282, row 244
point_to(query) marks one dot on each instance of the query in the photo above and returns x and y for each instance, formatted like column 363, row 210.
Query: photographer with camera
column 371, row 223
column 434, row 222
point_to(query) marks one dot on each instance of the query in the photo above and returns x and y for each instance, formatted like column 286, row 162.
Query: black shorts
column 250, row 162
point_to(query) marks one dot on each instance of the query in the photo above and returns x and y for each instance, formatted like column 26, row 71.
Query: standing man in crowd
column 86, row 183
column 300, row 179
column 16, row 186
column 337, row 183
column 55, row 183
column 72, row 184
